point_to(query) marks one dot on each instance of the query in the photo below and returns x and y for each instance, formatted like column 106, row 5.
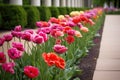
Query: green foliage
column 45, row 13
column 62, row 10
column 33, row 16
column 1, row 1
column 101, row 2
column 12, row 16
column 26, row 2
column 82, row 9
column 114, row 12
column 68, row 10
column 98, row 2
column 54, row 11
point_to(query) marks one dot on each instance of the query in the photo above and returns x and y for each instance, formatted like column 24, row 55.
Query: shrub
column 26, row 2
column 114, row 12
column 73, row 9
column 33, row 15
column 54, row 11
column 45, row 13
column 62, row 10
column 68, row 10
column 12, row 16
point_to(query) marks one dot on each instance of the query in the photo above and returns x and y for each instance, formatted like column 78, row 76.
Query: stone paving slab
column 108, row 64
column 106, row 75
column 108, row 55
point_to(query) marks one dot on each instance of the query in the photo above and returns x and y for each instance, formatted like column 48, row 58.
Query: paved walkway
column 108, row 63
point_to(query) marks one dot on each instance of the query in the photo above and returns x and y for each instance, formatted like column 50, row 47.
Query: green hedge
column 26, row 2
column 12, row 16
column 114, row 12
column 68, row 10
column 27, row 15
column 62, row 10
column 45, row 13
column 33, row 16
column 54, row 11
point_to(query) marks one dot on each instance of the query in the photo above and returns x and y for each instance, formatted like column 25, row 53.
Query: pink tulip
column 57, row 26
column 8, row 67
column 31, row 71
column 46, row 30
column 2, row 41
column 2, row 57
column 8, row 37
column 26, row 36
column 71, row 24
column 16, row 34
column 42, row 24
column 44, row 35
column 39, row 24
column 18, row 45
column 18, row 28
column 38, row 39
column 14, row 53
column 30, row 31
column 71, row 32
column 59, row 48
column 79, row 25
column 56, row 33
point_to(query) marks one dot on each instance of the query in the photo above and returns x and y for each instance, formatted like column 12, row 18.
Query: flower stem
column 2, row 48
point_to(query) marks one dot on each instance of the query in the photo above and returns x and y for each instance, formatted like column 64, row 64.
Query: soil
column 88, row 64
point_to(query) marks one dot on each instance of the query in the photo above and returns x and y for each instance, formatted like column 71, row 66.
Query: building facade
column 56, row 3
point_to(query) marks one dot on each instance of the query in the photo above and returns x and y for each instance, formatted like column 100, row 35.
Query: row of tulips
column 52, row 51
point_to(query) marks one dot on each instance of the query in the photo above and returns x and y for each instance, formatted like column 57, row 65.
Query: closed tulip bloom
column 30, row 31
column 31, row 71
column 69, row 39
column 84, row 29
column 14, row 53
column 71, row 32
column 44, row 35
column 18, row 28
column 54, row 20
column 16, row 34
column 8, row 67
column 2, row 41
column 18, row 45
column 38, row 39
column 8, row 37
column 2, row 57
column 45, row 30
column 78, row 34
column 70, row 23
column 59, row 48
column 61, row 17
column 26, row 36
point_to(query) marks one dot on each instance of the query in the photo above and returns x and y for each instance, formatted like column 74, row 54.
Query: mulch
column 88, row 64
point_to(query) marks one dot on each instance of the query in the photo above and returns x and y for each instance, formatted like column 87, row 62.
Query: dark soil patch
column 88, row 64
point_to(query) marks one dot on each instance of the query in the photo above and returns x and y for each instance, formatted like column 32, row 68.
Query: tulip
column 59, row 48
column 31, row 71
column 8, row 67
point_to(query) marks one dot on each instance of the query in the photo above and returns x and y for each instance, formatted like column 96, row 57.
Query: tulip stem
column 14, row 38
column 19, row 40
column 2, row 48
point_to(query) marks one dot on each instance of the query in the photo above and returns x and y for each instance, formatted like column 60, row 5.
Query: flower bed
column 57, row 46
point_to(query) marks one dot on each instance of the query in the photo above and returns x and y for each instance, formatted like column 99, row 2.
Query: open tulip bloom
column 52, row 51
